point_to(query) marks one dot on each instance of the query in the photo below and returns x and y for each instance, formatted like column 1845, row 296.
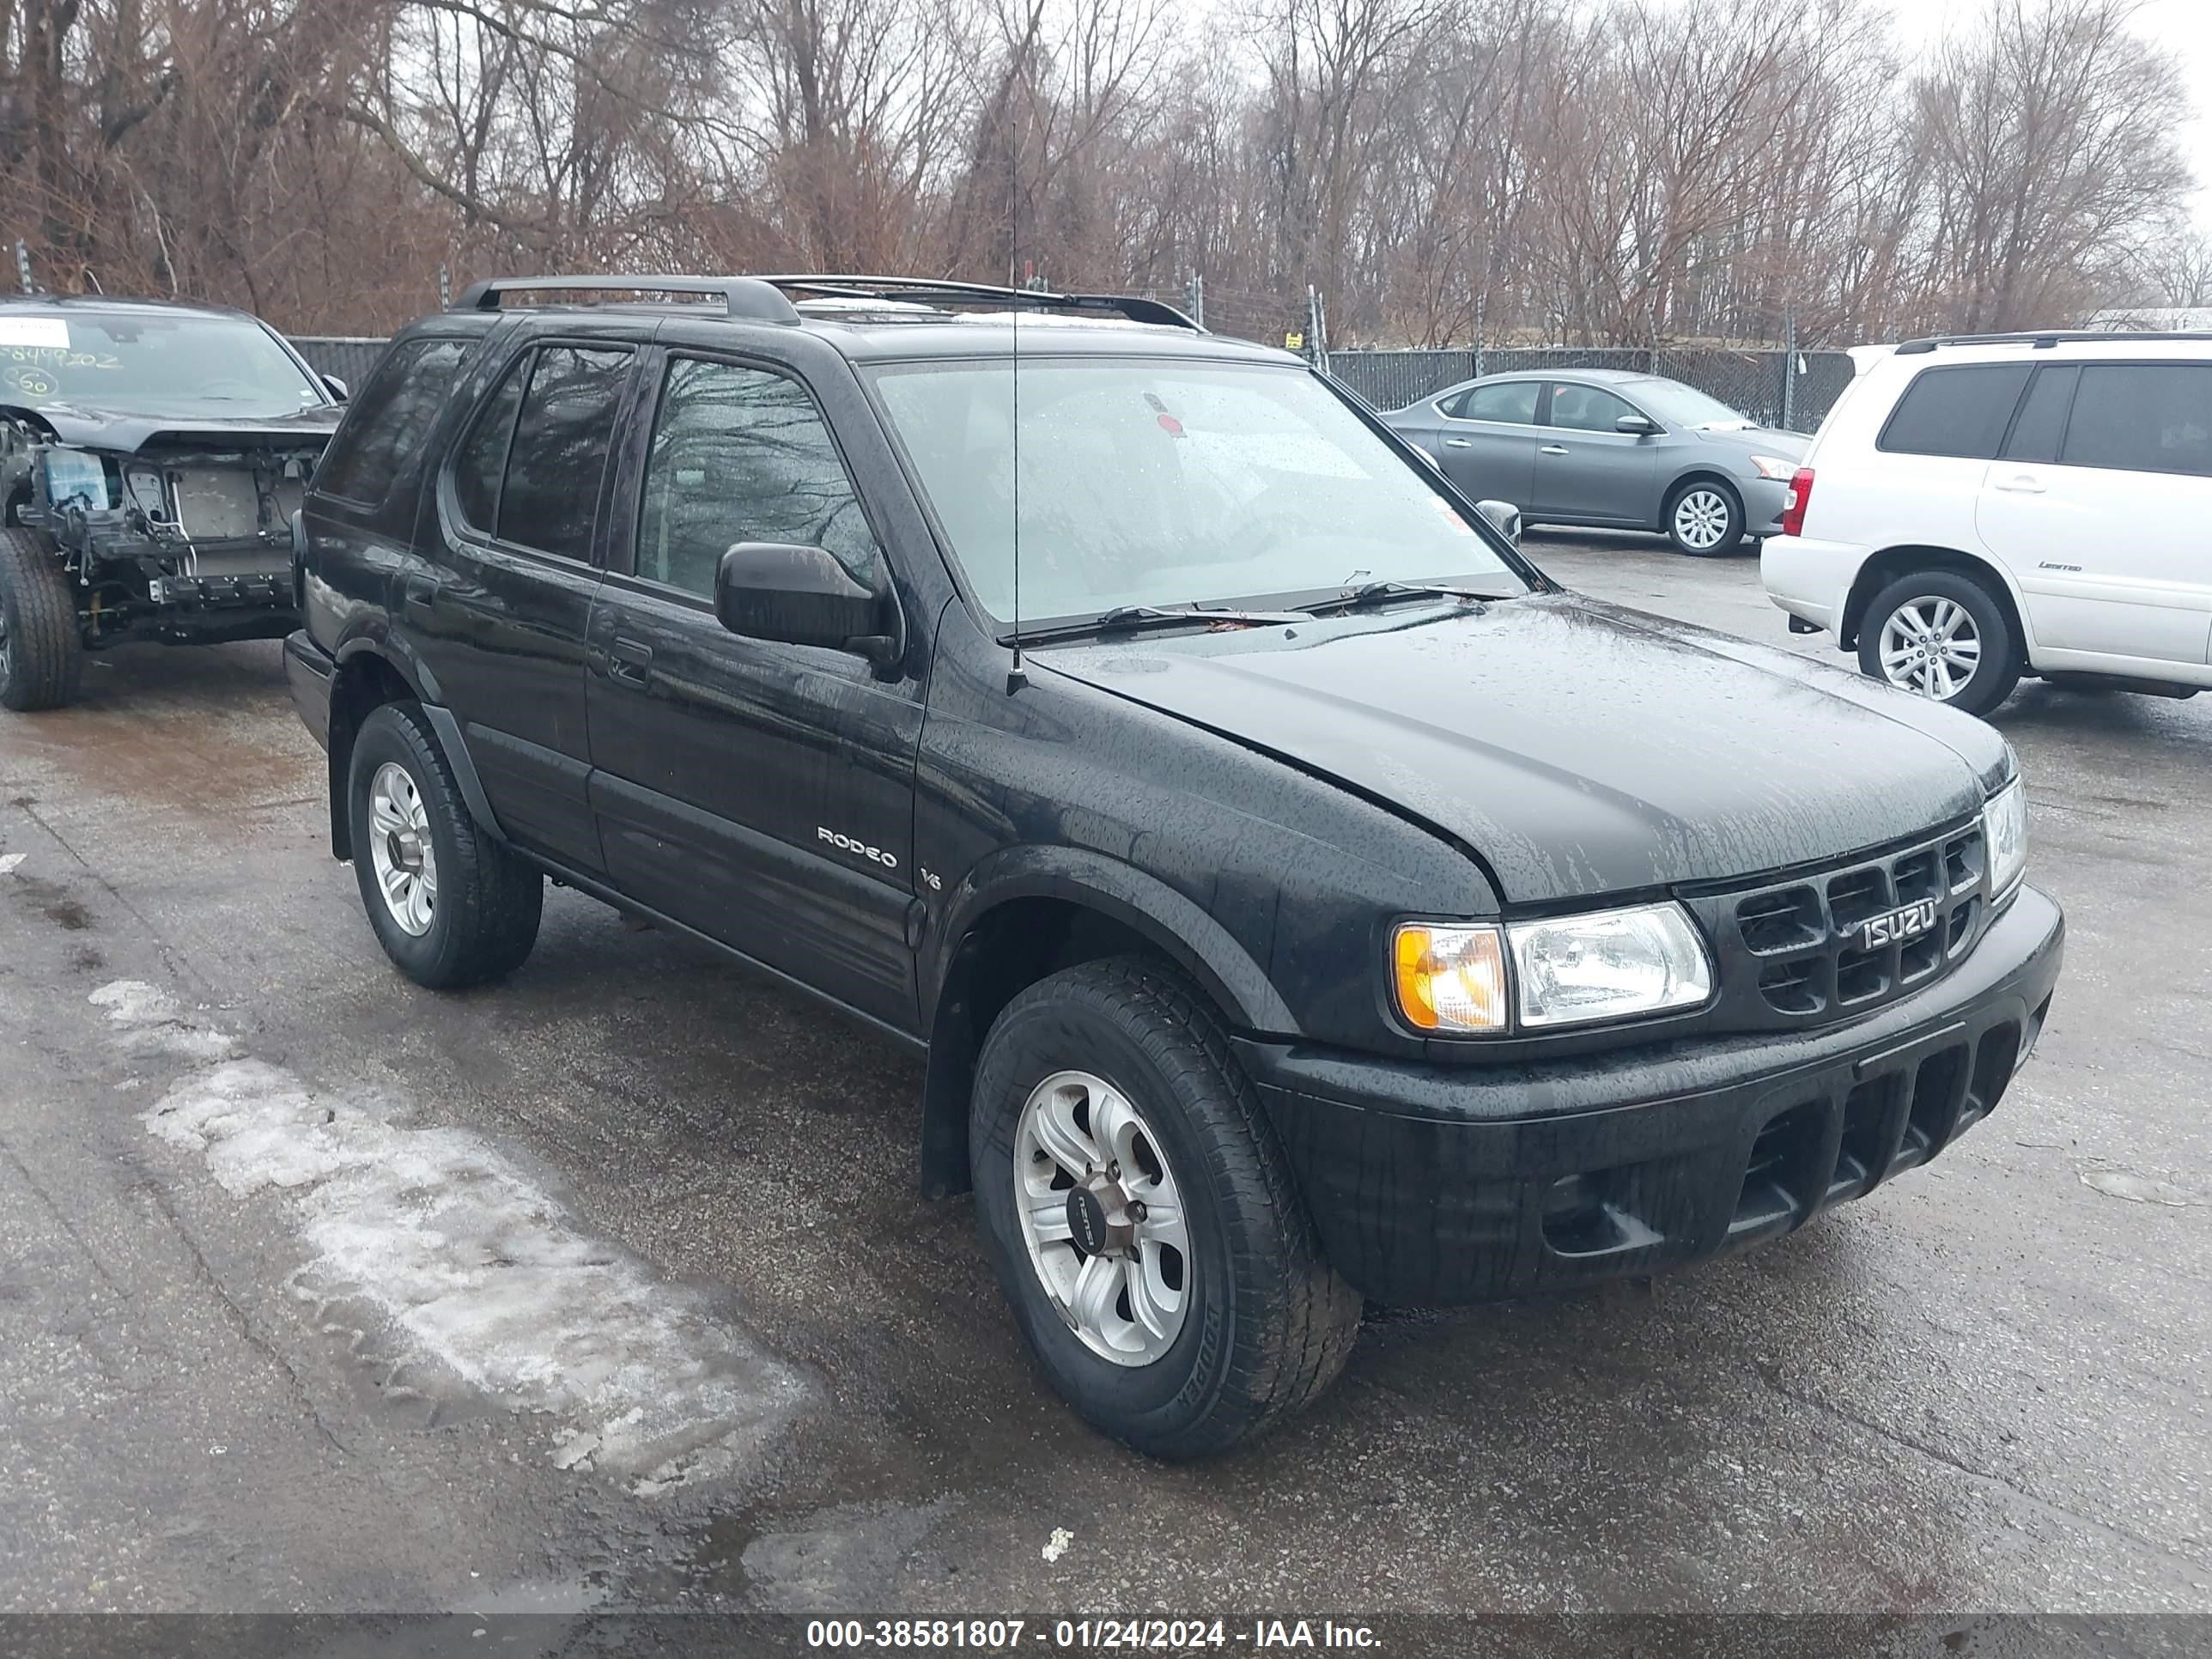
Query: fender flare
column 1144, row 904
column 443, row 724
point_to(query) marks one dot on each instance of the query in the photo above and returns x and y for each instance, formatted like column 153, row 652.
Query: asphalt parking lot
column 703, row 1344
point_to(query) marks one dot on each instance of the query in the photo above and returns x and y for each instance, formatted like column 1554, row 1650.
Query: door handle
column 417, row 592
column 628, row 660
column 1552, row 449
column 2025, row 483
column 1458, row 443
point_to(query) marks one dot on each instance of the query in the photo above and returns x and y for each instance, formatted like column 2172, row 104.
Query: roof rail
column 1136, row 308
column 747, row 298
column 2044, row 339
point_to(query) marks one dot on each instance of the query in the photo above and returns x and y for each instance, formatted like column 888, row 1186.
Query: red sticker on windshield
column 1169, row 424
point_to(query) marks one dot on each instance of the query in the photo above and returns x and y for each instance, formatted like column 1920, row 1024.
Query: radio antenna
column 1016, row 676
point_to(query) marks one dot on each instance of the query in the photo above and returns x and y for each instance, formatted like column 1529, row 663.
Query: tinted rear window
column 389, row 421
column 559, row 454
column 2143, row 418
column 1961, row 411
column 2041, row 427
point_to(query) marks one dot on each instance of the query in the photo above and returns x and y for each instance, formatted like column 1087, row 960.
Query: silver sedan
column 1606, row 447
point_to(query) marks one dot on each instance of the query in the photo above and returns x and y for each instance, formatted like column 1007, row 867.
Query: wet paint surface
column 1978, row 1387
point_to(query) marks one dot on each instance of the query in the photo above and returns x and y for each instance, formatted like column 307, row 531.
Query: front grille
column 1800, row 952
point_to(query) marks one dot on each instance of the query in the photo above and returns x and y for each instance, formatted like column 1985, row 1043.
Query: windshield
column 127, row 362
column 1684, row 405
column 1151, row 481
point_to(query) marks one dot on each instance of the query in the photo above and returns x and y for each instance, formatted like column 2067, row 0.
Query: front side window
column 149, row 363
column 742, row 455
column 1513, row 403
column 390, row 419
column 2143, row 417
column 1167, row 482
column 1585, row 409
column 1959, row 412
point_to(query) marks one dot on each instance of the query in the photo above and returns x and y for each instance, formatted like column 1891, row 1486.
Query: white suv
column 1973, row 510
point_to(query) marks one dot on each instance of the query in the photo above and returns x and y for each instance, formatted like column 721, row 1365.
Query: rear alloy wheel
column 451, row 904
column 1705, row 520
column 41, row 648
column 1139, row 1214
column 1942, row 636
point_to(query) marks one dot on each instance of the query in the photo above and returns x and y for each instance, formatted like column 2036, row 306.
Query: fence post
column 1479, row 301
column 1789, row 370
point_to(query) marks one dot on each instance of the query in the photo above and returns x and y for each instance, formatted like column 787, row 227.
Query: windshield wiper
column 1369, row 594
column 1132, row 618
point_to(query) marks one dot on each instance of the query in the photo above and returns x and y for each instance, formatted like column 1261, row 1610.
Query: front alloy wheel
column 1705, row 522
column 1102, row 1218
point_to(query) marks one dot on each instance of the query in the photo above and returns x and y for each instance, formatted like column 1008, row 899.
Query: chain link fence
column 1753, row 381
column 348, row 357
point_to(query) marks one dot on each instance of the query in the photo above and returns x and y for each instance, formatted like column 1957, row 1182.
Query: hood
column 95, row 428
column 1760, row 440
column 1576, row 748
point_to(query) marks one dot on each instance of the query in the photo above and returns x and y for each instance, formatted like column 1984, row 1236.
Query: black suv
column 1298, row 896
column 152, row 457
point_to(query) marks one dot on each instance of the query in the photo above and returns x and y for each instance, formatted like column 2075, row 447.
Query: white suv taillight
column 1800, row 497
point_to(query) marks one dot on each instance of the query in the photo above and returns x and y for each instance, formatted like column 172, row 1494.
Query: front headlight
column 1572, row 971
column 1773, row 466
column 2004, row 832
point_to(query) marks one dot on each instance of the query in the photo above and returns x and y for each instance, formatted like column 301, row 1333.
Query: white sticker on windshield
column 44, row 333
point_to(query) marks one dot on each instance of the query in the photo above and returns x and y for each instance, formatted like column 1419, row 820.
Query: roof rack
column 2044, row 339
column 747, row 298
column 1136, row 307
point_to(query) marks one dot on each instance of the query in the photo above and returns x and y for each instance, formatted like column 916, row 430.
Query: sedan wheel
column 1705, row 520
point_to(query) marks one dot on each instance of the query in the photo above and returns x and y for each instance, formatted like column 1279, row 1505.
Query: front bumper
column 1434, row 1185
column 309, row 671
column 1762, row 502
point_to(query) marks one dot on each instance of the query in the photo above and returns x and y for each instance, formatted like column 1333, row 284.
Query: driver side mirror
column 802, row 596
column 338, row 388
column 1504, row 517
column 1641, row 426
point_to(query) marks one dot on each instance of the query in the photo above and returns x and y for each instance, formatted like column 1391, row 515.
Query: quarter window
column 1960, row 412
column 1512, row 402
column 742, row 455
column 2143, row 417
column 391, row 418
column 1585, row 409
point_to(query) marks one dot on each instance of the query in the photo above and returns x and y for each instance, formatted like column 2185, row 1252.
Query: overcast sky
column 2183, row 26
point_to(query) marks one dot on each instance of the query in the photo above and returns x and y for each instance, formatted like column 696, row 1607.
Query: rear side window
column 2041, row 427
column 559, row 454
column 1513, row 403
column 1960, row 412
column 481, row 460
column 391, row 418
column 2143, row 417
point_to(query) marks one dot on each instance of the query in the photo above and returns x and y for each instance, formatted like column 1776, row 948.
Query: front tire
column 451, row 905
column 1109, row 1112
column 1705, row 520
column 41, row 648
column 1941, row 635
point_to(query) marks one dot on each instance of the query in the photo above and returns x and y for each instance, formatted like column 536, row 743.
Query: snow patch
column 11, row 862
column 134, row 1002
column 153, row 1022
column 485, row 1273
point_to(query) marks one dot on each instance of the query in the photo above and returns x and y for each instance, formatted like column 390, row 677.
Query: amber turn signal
column 1450, row 978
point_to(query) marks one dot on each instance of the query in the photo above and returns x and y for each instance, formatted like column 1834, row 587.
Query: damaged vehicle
column 152, row 456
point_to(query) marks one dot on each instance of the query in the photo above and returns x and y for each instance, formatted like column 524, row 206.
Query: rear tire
column 1260, row 1325
column 1941, row 635
column 42, row 649
column 451, row 905
column 1705, row 520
